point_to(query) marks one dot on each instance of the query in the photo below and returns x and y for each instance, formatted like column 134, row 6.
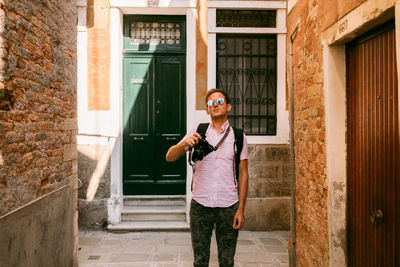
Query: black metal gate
column 246, row 70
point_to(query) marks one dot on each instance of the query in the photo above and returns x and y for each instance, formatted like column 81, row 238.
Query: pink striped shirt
column 214, row 182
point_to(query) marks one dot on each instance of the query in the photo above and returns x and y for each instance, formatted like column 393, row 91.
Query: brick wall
column 37, row 101
column 38, row 72
column 312, row 242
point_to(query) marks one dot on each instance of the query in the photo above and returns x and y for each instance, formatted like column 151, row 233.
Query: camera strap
column 223, row 138
column 215, row 148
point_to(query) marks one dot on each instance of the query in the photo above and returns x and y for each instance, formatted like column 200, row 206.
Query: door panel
column 169, row 120
column 373, row 162
column 138, row 127
column 154, row 120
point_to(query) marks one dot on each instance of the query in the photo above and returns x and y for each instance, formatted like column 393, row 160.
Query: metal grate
column 246, row 70
column 246, row 18
column 155, row 32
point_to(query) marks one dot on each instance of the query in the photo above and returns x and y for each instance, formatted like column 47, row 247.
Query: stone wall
column 312, row 241
column 38, row 111
column 28, row 239
column 93, row 169
column 268, row 199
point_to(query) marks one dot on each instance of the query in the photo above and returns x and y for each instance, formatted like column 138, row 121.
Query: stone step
column 174, row 200
column 150, row 226
column 153, row 213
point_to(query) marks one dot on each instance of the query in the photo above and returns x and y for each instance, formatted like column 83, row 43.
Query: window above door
column 144, row 33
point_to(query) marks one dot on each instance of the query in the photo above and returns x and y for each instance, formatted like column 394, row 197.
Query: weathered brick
column 37, row 67
column 309, row 131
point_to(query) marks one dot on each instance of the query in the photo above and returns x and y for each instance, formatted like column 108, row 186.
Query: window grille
column 155, row 33
column 246, row 18
column 246, row 70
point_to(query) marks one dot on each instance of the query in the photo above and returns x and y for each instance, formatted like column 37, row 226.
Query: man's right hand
column 192, row 140
column 176, row 151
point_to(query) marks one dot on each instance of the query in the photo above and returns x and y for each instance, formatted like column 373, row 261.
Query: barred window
column 246, row 18
column 246, row 70
column 155, row 32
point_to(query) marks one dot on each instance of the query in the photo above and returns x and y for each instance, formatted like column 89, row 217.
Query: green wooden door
column 153, row 120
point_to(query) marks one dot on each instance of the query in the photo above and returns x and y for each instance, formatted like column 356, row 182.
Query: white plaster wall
column 190, row 92
column 334, row 65
column 115, row 201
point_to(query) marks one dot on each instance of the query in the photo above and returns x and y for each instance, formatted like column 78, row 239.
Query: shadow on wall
column 94, row 190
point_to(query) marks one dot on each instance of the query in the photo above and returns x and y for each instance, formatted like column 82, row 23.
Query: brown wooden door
column 373, row 150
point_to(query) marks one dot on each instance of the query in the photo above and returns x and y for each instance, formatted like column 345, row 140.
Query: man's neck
column 218, row 123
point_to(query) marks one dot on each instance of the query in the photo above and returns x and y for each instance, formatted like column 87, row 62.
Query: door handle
column 376, row 217
column 138, row 138
column 171, row 138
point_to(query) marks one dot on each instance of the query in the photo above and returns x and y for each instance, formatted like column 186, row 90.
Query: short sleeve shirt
column 214, row 182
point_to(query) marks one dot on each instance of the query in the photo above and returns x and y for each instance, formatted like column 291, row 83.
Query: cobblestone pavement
column 173, row 249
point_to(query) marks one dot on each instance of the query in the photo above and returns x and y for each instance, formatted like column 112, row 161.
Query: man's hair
column 216, row 90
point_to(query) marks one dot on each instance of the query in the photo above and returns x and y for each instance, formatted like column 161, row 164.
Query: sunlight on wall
column 102, row 157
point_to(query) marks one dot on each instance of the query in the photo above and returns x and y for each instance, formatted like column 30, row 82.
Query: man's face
column 218, row 110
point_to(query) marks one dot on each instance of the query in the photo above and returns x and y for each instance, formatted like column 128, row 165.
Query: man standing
column 218, row 196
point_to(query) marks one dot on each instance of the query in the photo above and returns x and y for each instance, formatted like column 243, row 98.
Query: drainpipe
column 293, row 188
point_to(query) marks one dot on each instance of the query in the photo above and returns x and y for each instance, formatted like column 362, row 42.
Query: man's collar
column 224, row 126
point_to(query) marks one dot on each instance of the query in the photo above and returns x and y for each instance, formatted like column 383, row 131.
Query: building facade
column 344, row 71
column 143, row 70
column 38, row 127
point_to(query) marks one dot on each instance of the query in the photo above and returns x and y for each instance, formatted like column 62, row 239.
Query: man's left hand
column 238, row 220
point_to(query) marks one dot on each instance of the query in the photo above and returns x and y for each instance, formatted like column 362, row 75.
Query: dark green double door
column 153, row 120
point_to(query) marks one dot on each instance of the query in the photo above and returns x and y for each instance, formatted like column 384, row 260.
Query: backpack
column 202, row 128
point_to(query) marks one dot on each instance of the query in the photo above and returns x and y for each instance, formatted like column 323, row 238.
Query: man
column 217, row 199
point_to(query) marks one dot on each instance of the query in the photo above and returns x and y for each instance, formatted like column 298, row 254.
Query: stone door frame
column 118, row 8
column 362, row 19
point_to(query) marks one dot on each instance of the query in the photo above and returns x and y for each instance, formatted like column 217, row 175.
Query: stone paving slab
column 173, row 249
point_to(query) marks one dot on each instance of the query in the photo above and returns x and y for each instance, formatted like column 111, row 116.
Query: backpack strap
column 239, row 146
column 202, row 129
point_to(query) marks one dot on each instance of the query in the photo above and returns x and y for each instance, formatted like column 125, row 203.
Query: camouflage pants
column 202, row 221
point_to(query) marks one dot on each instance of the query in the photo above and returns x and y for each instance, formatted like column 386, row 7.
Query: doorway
column 373, row 150
column 154, row 110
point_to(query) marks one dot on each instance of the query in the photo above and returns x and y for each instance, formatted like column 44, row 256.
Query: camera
column 201, row 149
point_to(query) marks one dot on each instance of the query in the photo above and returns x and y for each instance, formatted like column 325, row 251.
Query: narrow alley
column 169, row 249
column 127, row 127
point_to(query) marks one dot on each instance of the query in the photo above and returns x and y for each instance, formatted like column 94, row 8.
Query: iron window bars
column 246, row 18
column 246, row 70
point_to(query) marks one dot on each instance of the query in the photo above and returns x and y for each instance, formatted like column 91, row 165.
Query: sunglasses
column 220, row 101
